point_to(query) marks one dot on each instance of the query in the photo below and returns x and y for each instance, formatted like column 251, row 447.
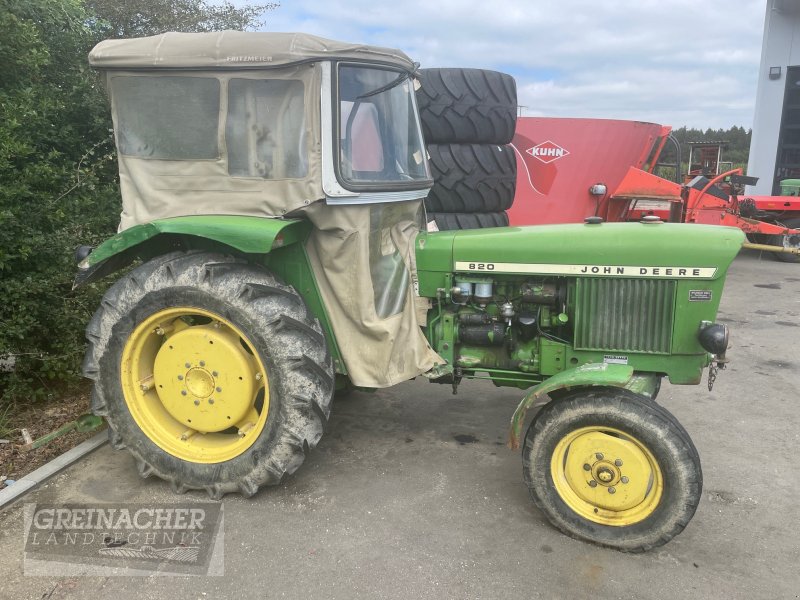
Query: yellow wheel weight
column 195, row 385
column 607, row 476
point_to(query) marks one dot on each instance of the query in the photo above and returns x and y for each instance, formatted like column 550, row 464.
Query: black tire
column 283, row 333
column 472, row 178
column 467, row 106
column 451, row 221
column 636, row 416
column 786, row 241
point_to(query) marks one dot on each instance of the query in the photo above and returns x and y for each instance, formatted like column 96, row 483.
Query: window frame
column 371, row 186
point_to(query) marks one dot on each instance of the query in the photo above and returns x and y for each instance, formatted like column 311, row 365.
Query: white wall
column 780, row 48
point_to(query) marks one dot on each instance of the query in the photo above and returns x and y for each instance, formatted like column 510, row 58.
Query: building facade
column 775, row 145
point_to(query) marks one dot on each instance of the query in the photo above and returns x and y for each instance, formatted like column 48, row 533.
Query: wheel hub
column 606, row 476
column 205, row 378
column 199, row 382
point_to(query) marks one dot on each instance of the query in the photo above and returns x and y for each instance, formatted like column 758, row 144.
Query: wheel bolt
column 598, row 456
column 587, row 467
column 592, row 483
column 214, row 373
column 211, row 401
column 624, row 479
column 202, row 363
column 618, row 462
column 187, row 365
column 183, row 392
column 611, row 490
column 180, row 377
column 197, row 402
column 219, row 389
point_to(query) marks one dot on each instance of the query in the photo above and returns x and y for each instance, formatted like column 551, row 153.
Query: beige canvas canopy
column 234, row 49
column 221, row 123
column 235, row 123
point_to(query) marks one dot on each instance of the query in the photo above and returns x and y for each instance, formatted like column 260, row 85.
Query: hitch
column 769, row 248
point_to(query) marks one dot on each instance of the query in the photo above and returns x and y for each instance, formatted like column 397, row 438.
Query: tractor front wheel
column 212, row 373
column 612, row 467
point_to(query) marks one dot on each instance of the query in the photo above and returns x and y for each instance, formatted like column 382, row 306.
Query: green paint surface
column 252, row 235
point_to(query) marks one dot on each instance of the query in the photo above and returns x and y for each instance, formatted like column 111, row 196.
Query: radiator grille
column 626, row 315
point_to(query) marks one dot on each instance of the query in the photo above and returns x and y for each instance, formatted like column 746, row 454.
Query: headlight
column 714, row 338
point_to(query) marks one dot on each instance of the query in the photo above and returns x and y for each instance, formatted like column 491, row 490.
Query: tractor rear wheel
column 451, row 221
column 787, row 241
column 471, row 178
column 211, row 372
column 612, row 467
column 467, row 106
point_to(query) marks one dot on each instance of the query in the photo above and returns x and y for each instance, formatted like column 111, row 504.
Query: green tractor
column 272, row 190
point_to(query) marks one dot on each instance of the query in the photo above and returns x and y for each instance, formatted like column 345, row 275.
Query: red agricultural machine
column 571, row 169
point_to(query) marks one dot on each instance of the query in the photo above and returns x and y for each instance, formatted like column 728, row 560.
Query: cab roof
column 234, row 50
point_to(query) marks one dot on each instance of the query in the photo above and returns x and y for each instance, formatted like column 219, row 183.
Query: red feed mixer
column 570, row 169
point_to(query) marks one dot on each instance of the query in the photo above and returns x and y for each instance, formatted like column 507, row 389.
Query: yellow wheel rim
column 195, row 385
column 607, row 476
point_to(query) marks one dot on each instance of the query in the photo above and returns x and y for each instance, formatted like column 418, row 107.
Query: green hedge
column 58, row 173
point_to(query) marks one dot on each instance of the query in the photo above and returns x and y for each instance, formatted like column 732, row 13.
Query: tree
column 58, row 172
column 150, row 17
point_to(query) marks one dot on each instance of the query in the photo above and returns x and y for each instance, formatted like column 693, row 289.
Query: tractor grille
column 625, row 315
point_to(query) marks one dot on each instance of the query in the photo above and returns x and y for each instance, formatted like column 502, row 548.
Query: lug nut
column 180, row 377
column 183, row 392
column 187, row 365
column 598, row 456
column 618, row 462
column 611, row 490
column 197, row 402
column 624, row 479
column 219, row 389
column 214, row 373
column 592, row 483
column 587, row 467
column 211, row 401
column 202, row 363
column 258, row 376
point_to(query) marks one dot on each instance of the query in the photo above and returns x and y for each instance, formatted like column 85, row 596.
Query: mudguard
column 249, row 235
column 588, row 375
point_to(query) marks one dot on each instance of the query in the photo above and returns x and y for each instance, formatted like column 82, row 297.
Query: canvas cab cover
column 287, row 124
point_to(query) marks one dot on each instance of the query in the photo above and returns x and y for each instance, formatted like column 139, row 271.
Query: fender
column 588, row 375
column 250, row 235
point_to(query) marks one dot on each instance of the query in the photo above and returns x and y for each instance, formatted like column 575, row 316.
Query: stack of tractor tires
column 468, row 119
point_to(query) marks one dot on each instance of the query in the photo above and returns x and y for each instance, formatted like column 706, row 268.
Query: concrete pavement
column 412, row 494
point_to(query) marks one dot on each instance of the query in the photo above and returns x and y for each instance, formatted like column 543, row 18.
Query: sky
column 674, row 62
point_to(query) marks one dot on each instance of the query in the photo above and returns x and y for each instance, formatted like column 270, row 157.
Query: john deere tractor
column 272, row 194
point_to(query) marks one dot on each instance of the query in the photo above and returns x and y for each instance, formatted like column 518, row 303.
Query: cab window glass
column 265, row 129
column 379, row 133
column 167, row 117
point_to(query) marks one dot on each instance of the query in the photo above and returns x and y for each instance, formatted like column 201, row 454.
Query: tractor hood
column 654, row 250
